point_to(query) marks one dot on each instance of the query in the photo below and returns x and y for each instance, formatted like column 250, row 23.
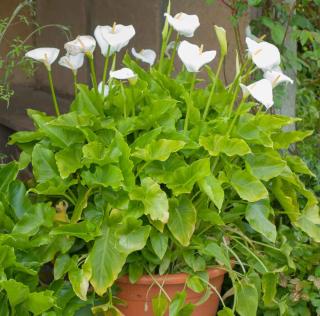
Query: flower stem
column 186, row 122
column 105, row 69
column 53, row 93
column 173, row 54
column 124, row 100
column 93, row 73
column 163, row 48
column 213, row 88
column 235, row 117
column 75, row 81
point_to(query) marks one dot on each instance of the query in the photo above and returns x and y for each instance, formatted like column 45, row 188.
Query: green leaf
column 160, row 305
column 247, row 300
column 135, row 271
column 61, row 266
column 254, row 3
column 257, row 216
column 212, row 187
column 177, row 303
column 79, row 282
column 215, row 251
column 8, row 173
column 41, row 214
column 269, row 287
column 7, row 256
column 105, row 176
column 84, row 230
column 195, row 283
column 159, row 242
column 265, row 166
column 247, row 186
column 18, row 199
column 283, row 140
column 153, row 198
column 296, row 164
column 183, row 179
column 309, row 223
column 43, row 163
column 159, row 150
column 182, row 219
column 216, row 144
column 226, row 311
column 39, row 302
column 16, row 292
column 68, row 160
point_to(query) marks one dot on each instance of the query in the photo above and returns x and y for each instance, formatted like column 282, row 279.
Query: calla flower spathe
column 73, row 62
column 116, row 36
column 265, row 56
column 261, row 91
column 184, row 24
column 277, row 77
column 46, row 55
column 146, row 55
column 193, row 57
column 82, row 44
column 123, row 74
column 106, row 89
column 222, row 38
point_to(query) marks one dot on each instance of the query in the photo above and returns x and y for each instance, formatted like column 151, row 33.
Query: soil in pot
column 139, row 296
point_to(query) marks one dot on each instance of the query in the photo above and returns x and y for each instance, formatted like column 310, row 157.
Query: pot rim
column 177, row 278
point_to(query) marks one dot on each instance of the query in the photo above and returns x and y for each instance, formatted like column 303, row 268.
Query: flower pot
column 139, row 296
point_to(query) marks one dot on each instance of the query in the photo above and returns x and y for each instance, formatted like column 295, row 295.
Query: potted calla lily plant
column 153, row 187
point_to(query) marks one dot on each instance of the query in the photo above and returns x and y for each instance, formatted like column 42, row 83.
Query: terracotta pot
column 139, row 296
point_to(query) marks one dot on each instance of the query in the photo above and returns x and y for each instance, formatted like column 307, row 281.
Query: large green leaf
column 17, row 292
column 43, row 163
column 265, row 166
column 257, row 216
column 247, row 300
column 153, row 198
column 159, row 150
column 159, row 305
column 69, row 160
column 39, row 302
column 7, row 256
column 109, row 175
column 269, row 286
column 283, row 140
column 18, row 198
column 109, row 253
column 247, row 186
column 183, row 179
column 8, row 173
column 159, row 242
column 79, row 282
column 212, row 187
column 296, row 164
column 216, row 144
column 182, row 220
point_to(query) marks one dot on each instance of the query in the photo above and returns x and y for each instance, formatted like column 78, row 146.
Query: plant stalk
column 105, row 69
column 75, row 82
column 53, row 94
column 186, row 122
column 93, row 73
column 176, row 42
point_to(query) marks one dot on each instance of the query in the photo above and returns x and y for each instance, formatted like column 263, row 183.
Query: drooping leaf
column 61, row 266
column 215, row 251
column 17, row 292
column 269, row 287
column 79, row 282
column 160, row 305
column 159, row 242
column 247, row 186
column 39, row 302
column 212, row 187
column 8, row 173
column 283, row 140
column 257, row 215
column 247, row 302
column 182, row 219
column 177, row 303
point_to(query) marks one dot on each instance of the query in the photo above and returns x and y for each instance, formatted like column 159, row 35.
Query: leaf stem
column 75, row 82
column 105, row 69
column 186, row 122
column 124, row 100
column 213, row 88
column 53, row 93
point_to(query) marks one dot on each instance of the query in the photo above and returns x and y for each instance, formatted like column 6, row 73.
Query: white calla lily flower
column 123, row 74
column 277, row 77
column 106, row 89
column 73, row 62
column 265, row 56
column 184, row 24
column 116, row 36
column 193, row 57
column 82, row 44
column 46, row 55
column 146, row 55
column 261, row 91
